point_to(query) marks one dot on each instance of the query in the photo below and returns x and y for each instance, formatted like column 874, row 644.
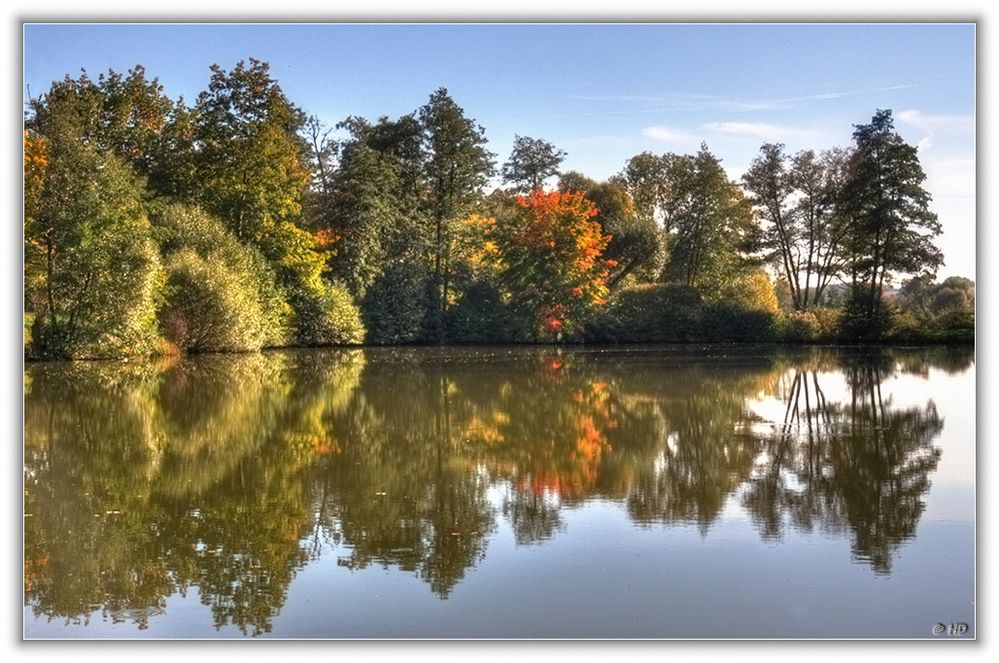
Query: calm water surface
column 640, row 492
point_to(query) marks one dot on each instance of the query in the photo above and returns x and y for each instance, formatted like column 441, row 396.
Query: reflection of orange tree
column 554, row 441
column 661, row 436
column 861, row 466
column 224, row 473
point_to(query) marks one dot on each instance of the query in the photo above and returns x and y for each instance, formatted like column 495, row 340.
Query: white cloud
column 762, row 130
column 667, row 134
column 932, row 124
column 950, row 177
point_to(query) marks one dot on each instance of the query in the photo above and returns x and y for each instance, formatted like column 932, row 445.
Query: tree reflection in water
column 228, row 474
column 860, row 466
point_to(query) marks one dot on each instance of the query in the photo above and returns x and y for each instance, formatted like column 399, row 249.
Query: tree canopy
column 239, row 222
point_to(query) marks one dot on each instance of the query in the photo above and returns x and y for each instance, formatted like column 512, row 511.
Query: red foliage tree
column 551, row 251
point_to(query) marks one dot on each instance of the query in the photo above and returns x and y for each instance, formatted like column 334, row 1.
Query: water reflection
column 229, row 474
column 860, row 466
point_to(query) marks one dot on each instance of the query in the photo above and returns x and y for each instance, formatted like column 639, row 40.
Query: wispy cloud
column 625, row 98
column 761, row 130
column 667, row 134
column 932, row 124
column 690, row 101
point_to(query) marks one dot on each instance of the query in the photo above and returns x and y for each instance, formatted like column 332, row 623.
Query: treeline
column 238, row 222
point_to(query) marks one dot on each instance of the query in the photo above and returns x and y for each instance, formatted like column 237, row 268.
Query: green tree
column 251, row 163
column 252, row 166
column 362, row 211
column 646, row 178
column 92, row 272
column 796, row 196
column 532, row 162
column 635, row 240
column 949, row 304
column 377, row 227
column 373, row 194
column 173, row 161
column 120, row 114
column 456, row 167
column 892, row 226
column 712, row 222
column 658, row 186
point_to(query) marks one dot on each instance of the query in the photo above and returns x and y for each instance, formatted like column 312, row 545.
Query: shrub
column 800, row 326
column 327, row 316
column 481, row 316
column 753, row 290
column 185, row 227
column 649, row 313
column 209, row 307
column 829, row 321
column 396, row 303
column 732, row 322
column 857, row 323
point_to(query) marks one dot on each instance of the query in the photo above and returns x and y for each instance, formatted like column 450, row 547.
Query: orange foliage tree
column 551, row 250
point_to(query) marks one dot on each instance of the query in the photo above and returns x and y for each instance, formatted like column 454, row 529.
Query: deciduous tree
column 532, row 162
column 713, row 230
column 551, row 248
column 796, row 196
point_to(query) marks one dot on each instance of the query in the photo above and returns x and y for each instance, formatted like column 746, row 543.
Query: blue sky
column 601, row 92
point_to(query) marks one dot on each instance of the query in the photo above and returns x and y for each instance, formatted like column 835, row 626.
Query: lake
column 633, row 492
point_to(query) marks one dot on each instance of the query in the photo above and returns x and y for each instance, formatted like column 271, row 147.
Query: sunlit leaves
column 551, row 248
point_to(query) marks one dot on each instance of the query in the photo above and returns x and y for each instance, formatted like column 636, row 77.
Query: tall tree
column 366, row 203
column 713, row 228
column 252, row 162
column 532, row 162
column 120, row 114
column 796, row 196
column 323, row 151
column 373, row 217
column 456, row 168
column 646, row 179
column 656, row 184
column 893, row 227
